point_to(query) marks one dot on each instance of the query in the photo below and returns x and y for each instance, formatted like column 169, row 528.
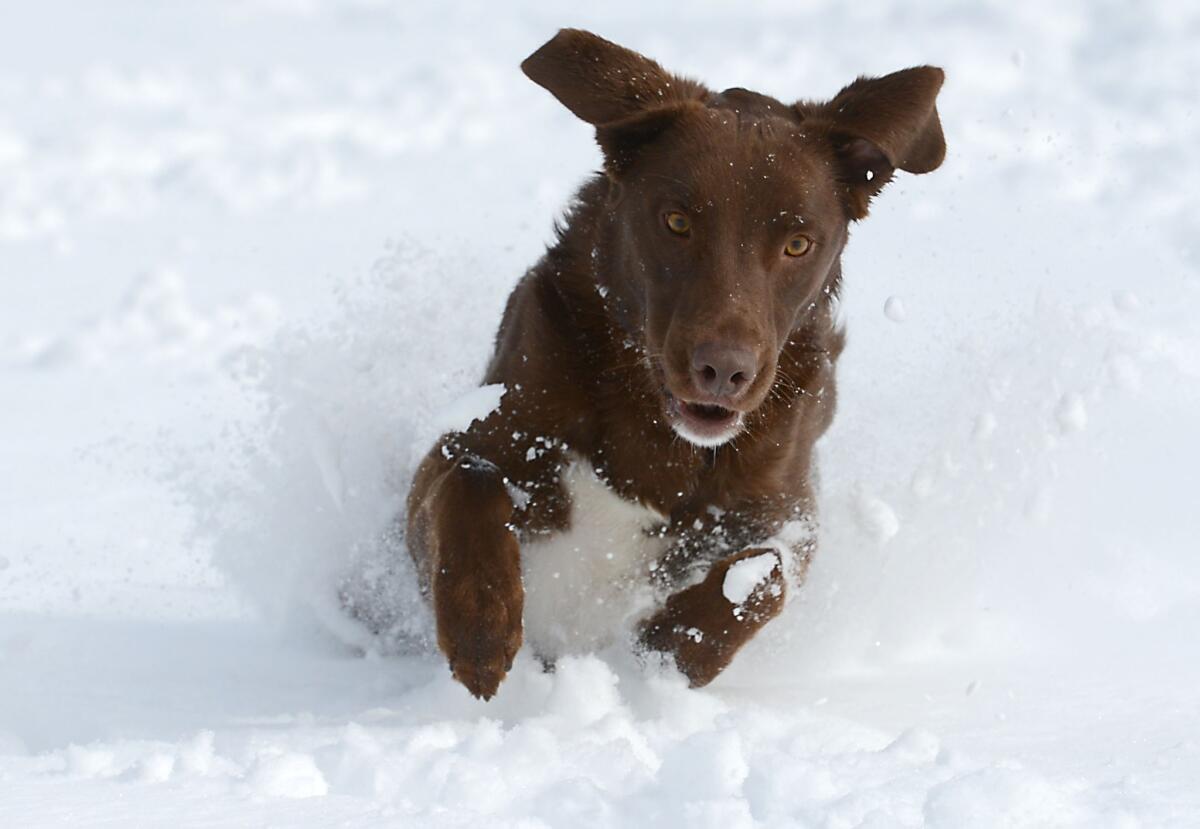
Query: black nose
column 723, row 370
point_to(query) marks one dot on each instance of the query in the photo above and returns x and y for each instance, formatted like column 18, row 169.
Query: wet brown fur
column 599, row 332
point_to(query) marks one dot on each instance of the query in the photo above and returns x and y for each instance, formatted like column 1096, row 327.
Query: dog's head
column 727, row 212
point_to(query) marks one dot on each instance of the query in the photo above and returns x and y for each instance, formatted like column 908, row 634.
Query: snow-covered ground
column 252, row 252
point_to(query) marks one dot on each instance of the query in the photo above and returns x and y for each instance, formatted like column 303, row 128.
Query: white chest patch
column 586, row 585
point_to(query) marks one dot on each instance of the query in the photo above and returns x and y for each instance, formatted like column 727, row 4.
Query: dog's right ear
column 880, row 125
column 602, row 82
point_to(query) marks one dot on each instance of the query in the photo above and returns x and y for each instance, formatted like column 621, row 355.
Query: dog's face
column 726, row 229
column 728, row 212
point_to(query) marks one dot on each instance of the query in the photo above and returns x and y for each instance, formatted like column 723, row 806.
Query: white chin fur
column 706, row 441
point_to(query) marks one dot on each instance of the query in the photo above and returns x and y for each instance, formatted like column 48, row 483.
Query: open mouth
column 704, row 424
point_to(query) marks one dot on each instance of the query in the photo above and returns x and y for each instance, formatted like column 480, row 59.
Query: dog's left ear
column 602, row 82
column 628, row 97
column 880, row 125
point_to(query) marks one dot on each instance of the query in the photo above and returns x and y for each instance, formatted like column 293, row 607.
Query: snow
column 254, row 254
column 476, row 404
column 584, row 586
column 877, row 519
column 744, row 576
column 1071, row 413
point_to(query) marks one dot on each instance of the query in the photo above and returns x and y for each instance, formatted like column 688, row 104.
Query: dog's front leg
column 704, row 626
column 462, row 541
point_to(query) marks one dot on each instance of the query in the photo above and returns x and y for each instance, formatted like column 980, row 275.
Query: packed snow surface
column 254, row 253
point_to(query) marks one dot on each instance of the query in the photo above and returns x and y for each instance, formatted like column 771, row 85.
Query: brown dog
column 667, row 367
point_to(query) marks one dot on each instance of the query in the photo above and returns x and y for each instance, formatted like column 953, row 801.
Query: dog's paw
column 703, row 628
column 479, row 626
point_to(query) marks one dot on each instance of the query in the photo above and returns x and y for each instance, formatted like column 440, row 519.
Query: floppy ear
column 602, row 82
column 880, row 125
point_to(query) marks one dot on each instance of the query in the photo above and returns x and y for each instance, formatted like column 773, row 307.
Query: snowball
column 877, row 518
column 893, row 309
column 747, row 574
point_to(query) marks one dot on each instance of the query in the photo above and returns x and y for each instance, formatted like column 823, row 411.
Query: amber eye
column 678, row 222
column 797, row 246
